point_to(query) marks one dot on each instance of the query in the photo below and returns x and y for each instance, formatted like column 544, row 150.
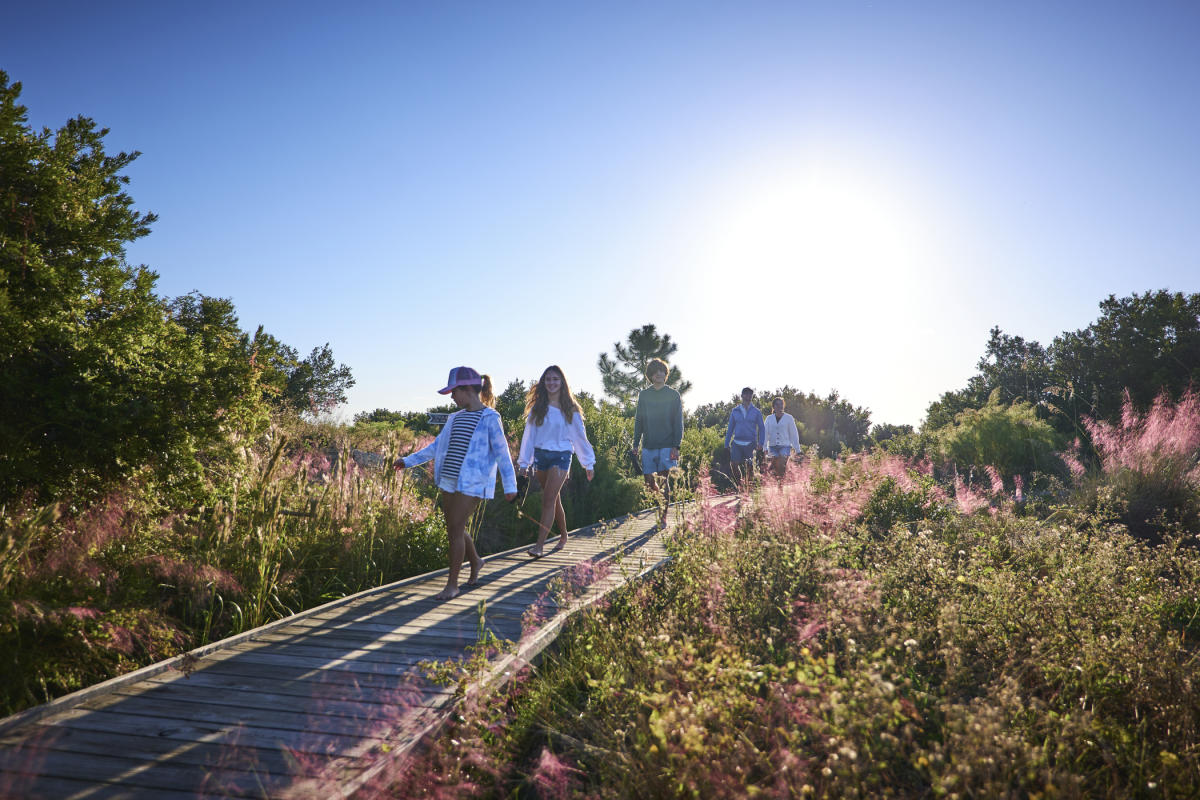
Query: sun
column 817, row 230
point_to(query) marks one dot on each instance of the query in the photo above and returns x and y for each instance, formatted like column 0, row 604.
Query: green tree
column 98, row 381
column 1016, row 368
column 317, row 383
column 1010, row 437
column 511, row 405
column 624, row 374
column 1144, row 344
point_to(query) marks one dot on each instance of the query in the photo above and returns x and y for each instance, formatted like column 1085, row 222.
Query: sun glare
column 819, row 232
column 841, row 265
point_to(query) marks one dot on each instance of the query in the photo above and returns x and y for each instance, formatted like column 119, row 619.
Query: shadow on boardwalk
column 313, row 705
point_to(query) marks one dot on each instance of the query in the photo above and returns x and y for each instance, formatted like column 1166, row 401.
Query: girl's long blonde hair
column 538, row 398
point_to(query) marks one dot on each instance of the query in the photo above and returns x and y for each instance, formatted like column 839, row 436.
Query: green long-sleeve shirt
column 658, row 422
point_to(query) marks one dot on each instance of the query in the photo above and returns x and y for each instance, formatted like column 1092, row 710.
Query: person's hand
column 398, row 464
column 590, row 473
column 674, row 453
column 510, row 496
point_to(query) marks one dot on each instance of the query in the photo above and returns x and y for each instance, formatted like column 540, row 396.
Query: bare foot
column 561, row 544
column 447, row 593
column 475, row 567
column 534, row 553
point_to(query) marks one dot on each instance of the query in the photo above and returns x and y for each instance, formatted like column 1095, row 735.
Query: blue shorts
column 545, row 460
column 781, row 450
column 741, row 452
column 658, row 460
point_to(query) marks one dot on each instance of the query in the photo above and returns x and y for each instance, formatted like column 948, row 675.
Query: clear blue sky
column 828, row 195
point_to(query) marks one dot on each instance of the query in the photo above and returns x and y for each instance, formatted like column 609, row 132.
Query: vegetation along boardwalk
column 316, row 704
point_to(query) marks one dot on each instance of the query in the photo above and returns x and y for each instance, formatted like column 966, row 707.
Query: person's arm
column 677, row 425
column 760, row 430
column 729, row 428
column 583, row 448
column 639, row 423
column 794, row 433
column 525, row 455
column 424, row 454
column 498, row 445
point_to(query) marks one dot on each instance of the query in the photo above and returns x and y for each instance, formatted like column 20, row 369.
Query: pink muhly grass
column 554, row 777
column 997, row 483
column 197, row 579
column 1168, row 433
column 120, row 638
column 806, row 624
column 537, row 613
column 1071, row 459
column 968, row 499
column 82, row 613
column 73, row 552
column 1019, row 490
column 712, row 606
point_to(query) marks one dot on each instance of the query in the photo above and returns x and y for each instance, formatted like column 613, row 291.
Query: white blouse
column 556, row 434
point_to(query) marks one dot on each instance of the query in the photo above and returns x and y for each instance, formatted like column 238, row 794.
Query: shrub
column 1012, row 439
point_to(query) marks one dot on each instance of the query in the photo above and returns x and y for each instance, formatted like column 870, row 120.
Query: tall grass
column 87, row 597
column 858, row 631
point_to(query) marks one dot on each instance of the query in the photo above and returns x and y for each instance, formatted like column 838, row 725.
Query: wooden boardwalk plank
column 306, row 706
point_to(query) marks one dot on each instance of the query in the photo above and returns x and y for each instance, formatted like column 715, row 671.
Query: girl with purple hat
column 466, row 455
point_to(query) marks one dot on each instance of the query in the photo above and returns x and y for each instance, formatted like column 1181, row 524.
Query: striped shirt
column 465, row 423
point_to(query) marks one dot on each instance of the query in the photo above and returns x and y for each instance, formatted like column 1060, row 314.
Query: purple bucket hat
column 461, row 376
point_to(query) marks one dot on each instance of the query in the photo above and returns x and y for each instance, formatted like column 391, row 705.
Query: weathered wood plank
column 43, row 787
column 269, row 689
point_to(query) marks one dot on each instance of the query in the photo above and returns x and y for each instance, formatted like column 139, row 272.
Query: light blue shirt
column 746, row 426
column 487, row 451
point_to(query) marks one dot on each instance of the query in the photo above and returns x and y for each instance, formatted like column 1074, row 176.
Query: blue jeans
column 547, row 459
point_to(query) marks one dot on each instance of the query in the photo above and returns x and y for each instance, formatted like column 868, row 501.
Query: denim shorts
column 781, row 450
column 657, row 460
column 547, row 459
column 741, row 452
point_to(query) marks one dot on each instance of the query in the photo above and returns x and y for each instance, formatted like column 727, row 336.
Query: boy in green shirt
column 658, row 425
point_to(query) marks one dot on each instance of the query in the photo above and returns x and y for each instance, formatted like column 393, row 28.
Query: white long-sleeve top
column 782, row 431
column 555, row 433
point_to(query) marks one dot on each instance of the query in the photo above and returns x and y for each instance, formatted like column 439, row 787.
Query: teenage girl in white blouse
column 553, row 430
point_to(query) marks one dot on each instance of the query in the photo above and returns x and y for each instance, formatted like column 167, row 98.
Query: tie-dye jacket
column 487, row 451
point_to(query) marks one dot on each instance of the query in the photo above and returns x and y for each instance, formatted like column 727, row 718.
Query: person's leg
column 457, row 509
column 560, row 518
column 552, row 481
column 666, row 482
column 737, row 464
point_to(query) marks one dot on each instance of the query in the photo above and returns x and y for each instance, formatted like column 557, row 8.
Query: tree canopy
column 100, row 379
column 624, row 374
column 1142, row 344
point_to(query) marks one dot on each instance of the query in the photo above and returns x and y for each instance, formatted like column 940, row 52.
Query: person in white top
column 783, row 438
column 553, row 430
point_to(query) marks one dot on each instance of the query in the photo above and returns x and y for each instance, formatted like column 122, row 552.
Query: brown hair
column 484, row 391
column 537, row 400
column 779, row 399
column 657, row 363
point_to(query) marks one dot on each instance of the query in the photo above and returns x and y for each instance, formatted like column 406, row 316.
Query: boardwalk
column 314, row 705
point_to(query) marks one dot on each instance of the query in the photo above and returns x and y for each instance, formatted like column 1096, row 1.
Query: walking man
column 658, row 425
column 745, row 436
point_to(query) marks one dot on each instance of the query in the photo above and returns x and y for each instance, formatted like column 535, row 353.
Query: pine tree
column 624, row 375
